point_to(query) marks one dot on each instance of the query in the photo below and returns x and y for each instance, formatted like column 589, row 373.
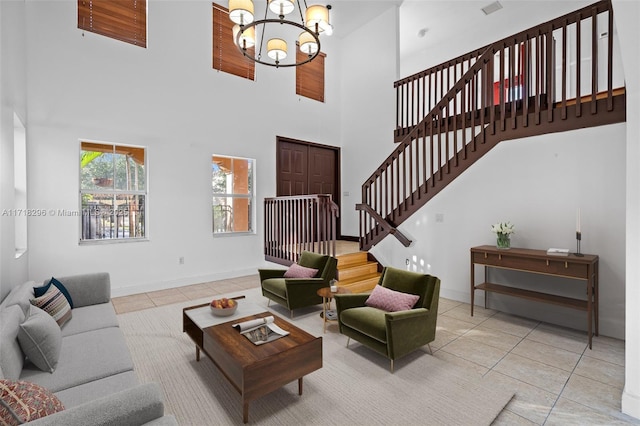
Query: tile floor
column 559, row 381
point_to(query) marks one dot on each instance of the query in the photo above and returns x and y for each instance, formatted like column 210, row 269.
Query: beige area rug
column 354, row 386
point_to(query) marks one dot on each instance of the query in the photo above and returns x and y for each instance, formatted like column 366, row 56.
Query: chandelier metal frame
column 264, row 23
column 276, row 64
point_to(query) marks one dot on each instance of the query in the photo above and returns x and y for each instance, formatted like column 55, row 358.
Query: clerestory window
column 124, row 20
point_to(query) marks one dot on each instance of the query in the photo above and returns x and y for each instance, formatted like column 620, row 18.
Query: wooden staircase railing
column 297, row 223
column 513, row 88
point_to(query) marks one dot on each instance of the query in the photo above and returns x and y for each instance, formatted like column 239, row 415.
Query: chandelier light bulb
column 247, row 37
column 317, row 17
column 277, row 49
column 241, row 11
column 307, row 43
column 281, row 7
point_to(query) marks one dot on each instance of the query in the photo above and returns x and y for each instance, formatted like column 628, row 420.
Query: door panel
column 322, row 171
column 292, row 169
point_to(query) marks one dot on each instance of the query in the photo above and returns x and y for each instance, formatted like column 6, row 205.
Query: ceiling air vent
column 493, row 7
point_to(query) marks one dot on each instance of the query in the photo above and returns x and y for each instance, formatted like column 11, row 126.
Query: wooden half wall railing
column 589, row 30
column 298, row 223
column 445, row 112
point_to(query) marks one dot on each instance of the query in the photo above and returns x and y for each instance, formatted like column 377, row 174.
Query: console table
column 583, row 268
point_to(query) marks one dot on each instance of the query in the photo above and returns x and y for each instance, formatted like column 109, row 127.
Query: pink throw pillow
column 391, row 300
column 297, row 271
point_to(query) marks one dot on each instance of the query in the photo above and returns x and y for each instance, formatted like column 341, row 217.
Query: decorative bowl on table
column 223, row 307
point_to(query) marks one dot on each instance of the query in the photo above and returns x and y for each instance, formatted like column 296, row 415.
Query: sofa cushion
column 39, row 291
column 84, row 357
column 134, row 406
column 11, row 356
column 24, row 401
column 390, row 300
column 276, row 286
column 366, row 320
column 55, row 304
column 92, row 317
column 20, row 295
column 41, row 339
column 297, row 271
column 90, row 391
column 88, row 289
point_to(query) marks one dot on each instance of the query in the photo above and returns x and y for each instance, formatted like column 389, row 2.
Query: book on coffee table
column 260, row 331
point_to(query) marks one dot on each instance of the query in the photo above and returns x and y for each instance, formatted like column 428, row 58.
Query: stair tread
column 347, row 281
column 348, row 259
column 362, row 286
column 358, row 270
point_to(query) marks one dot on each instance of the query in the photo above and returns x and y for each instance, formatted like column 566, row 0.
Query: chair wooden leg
column 268, row 302
column 430, row 350
column 348, row 339
column 291, row 313
column 392, row 366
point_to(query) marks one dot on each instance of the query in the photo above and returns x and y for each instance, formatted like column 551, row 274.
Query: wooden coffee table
column 254, row 370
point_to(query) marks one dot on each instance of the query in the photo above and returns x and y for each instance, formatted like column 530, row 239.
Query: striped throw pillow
column 55, row 304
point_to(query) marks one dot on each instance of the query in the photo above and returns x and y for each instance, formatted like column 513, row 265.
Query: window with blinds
column 124, row 20
column 226, row 56
column 310, row 77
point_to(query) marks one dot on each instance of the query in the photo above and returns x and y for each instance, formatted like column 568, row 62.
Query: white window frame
column 113, row 192
column 251, row 196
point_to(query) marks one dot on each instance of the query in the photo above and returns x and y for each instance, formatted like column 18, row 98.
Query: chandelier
column 313, row 21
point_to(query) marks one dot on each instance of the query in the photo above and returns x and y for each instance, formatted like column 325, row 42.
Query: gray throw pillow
column 40, row 338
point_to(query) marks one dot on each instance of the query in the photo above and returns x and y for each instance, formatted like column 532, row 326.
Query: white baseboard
column 130, row 289
column 630, row 404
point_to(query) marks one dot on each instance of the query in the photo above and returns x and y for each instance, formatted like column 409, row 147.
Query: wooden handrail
column 507, row 87
column 298, row 223
column 385, row 225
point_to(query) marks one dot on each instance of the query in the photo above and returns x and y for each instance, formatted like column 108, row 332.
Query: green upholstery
column 393, row 334
column 299, row 292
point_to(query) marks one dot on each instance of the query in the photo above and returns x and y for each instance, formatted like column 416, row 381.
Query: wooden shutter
column 310, row 76
column 226, row 56
column 124, row 20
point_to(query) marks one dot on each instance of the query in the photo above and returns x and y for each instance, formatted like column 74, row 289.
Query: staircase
column 358, row 272
column 451, row 115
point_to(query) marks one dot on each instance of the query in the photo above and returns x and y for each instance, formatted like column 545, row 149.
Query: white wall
column 12, row 100
column 538, row 184
column 451, row 37
column 368, row 107
column 169, row 99
column 627, row 15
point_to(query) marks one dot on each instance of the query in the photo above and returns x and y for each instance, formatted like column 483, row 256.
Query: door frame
column 337, row 177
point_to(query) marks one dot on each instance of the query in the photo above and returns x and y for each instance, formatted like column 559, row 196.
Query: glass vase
column 503, row 241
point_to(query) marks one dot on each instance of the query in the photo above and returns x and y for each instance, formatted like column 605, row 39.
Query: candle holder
column 578, row 238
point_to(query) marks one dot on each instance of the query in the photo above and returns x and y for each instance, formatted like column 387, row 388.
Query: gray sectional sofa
column 94, row 378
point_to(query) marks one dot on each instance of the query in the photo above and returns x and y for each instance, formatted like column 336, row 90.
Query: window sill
column 233, row 234
column 112, row 241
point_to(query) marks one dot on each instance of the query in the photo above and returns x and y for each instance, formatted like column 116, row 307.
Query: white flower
column 505, row 228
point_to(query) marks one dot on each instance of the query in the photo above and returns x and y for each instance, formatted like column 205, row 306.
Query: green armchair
column 299, row 292
column 393, row 334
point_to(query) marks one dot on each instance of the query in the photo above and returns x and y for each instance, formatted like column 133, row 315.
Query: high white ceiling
column 452, row 20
